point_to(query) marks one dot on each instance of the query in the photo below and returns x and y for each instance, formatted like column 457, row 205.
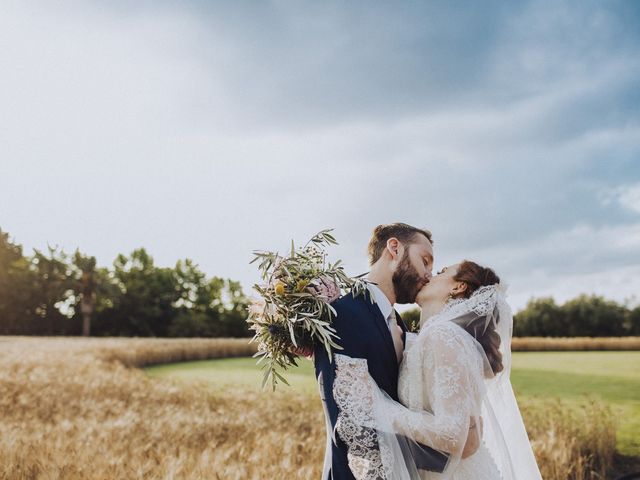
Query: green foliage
column 52, row 293
column 633, row 321
column 52, row 289
column 144, row 306
column 583, row 316
column 541, row 317
column 85, row 288
column 293, row 312
column 43, row 294
column 16, row 288
column 411, row 319
column 593, row 316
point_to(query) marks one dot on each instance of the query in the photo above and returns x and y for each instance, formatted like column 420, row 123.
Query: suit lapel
column 381, row 324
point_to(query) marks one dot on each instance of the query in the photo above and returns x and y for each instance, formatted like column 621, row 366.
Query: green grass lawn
column 231, row 372
column 613, row 377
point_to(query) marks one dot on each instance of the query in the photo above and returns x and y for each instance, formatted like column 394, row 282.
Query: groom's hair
column 406, row 234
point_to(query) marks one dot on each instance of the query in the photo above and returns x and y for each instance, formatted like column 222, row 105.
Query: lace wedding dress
column 446, row 386
column 423, row 383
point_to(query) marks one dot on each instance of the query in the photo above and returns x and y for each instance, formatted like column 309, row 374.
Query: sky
column 207, row 130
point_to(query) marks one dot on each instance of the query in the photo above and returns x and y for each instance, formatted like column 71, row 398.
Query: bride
column 453, row 383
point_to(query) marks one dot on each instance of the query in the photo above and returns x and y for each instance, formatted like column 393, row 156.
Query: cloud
column 628, row 196
column 209, row 129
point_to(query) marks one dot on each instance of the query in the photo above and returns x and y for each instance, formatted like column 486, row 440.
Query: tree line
column 583, row 316
column 54, row 293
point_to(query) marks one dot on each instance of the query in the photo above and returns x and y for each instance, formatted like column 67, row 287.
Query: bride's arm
column 473, row 438
column 450, row 377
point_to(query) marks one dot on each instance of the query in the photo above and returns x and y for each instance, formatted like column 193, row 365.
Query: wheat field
column 541, row 344
column 81, row 409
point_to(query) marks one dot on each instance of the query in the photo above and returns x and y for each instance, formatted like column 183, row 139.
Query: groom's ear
column 394, row 247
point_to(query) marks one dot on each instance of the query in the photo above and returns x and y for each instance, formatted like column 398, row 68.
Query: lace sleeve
column 375, row 428
column 449, row 378
column 355, row 394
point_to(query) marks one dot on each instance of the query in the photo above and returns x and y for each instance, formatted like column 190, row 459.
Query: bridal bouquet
column 293, row 310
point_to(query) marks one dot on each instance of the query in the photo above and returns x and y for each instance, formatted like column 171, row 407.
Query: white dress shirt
column 382, row 302
column 389, row 315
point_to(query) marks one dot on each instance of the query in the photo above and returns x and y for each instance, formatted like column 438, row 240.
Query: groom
column 401, row 259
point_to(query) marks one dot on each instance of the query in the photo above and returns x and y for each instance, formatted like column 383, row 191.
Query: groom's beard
column 406, row 281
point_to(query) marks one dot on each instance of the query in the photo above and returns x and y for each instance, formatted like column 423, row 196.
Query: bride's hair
column 476, row 276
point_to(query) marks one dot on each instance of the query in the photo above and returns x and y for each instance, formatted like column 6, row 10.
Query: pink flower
column 256, row 307
column 326, row 289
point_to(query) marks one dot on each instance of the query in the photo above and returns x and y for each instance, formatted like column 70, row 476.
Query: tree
column 109, row 298
column 145, row 306
column 16, row 285
column 197, row 306
column 208, row 308
column 541, row 317
column 86, row 287
column 52, row 291
column 234, row 313
column 591, row 315
column 633, row 323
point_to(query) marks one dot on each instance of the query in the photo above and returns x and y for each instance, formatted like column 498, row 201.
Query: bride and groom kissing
column 430, row 405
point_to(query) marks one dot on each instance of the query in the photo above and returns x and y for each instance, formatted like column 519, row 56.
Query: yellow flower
column 279, row 288
column 301, row 285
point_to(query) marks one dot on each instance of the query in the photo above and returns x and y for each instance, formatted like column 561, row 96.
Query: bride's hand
column 473, row 438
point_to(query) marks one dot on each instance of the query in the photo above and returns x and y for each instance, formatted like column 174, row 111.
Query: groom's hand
column 302, row 352
column 473, row 438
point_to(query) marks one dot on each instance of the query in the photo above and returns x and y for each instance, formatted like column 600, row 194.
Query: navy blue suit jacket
column 364, row 334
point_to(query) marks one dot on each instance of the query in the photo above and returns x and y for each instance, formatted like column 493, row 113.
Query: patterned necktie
column 396, row 335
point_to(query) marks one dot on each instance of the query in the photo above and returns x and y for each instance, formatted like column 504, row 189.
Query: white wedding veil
column 464, row 388
column 507, row 439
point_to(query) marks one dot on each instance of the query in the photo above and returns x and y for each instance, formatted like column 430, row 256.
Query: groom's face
column 414, row 270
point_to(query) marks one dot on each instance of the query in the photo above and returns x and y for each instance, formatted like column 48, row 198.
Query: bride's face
column 438, row 289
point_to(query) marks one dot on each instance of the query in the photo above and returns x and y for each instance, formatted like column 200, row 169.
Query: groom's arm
column 354, row 347
column 325, row 364
column 351, row 345
column 427, row 458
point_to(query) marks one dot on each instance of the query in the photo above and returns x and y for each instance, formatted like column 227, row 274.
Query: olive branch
column 292, row 311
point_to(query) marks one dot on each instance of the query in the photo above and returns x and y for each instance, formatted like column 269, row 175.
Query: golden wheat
column 537, row 344
column 569, row 442
column 70, row 409
column 77, row 409
column 133, row 352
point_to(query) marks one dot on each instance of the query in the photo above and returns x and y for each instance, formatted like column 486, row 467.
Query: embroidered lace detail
column 480, row 466
column 444, row 392
column 482, row 302
column 486, row 303
column 441, row 374
column 353, row 391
